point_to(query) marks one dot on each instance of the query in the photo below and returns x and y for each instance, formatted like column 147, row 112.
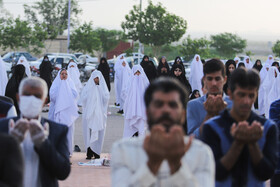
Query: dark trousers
column 275, row 180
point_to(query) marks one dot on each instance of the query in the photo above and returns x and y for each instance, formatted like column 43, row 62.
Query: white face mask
column 30, row 106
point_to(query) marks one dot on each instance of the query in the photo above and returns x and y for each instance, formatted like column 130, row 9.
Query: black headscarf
column 46, row 69
column 105, row 70
column 13, row 84
column 149, row 68
column 193, row 94
column 162, row 67
column 241, row 64
column 182, row 78
column 178, row 60
column 228, row 63
column 256, row 66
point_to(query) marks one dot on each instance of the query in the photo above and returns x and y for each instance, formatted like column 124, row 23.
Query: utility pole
column 140, row 45
column 68, row 37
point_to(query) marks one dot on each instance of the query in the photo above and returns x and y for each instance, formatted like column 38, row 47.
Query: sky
column 256, row 20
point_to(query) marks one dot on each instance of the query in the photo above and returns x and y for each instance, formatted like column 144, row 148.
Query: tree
column 276, row 48
column 17, row 34
column 227, row 44
column 109, row 39
column 52, row 15
column 85, row 39
column 196, row 46
column 155, row 26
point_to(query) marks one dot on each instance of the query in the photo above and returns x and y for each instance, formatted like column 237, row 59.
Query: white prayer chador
column 236, row 60
column 134, row 106
column 264, row 90
column 74, row 73
column 3, row 77
column 264, row 71
column 22, row 60
column 269, row 60
column 248, row 65
column 95, row 100
column 126, row 80
column 196, row 74
column 118, row 77
column 274, row 92
column 63, row 105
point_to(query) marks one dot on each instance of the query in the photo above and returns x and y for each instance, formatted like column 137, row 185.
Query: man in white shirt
column 165, row 157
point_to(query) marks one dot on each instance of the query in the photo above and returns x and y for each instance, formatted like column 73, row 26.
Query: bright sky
column 251, row 19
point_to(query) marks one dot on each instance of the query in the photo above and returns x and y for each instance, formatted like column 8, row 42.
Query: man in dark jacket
column 44, row 142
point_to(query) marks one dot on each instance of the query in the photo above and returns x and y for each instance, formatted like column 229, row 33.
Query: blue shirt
column 196, row 114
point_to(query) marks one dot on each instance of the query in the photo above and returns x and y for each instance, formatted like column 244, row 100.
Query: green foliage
column 154, row 26
column 276, row 48
column 85, row 39
column 17, row 34
column 190, row 47
column 52, row 15
column 227, row 44
column 249, row 53
column 109, row 38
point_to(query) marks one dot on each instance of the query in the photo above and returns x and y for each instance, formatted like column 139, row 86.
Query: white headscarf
column 134, row 106
column 274, row 92
column 268, row 61
column 236, row 59
column 75, row 75
column 264, row 71
column 22, row 60
column 248, row 65
column 63, row 106
column 196, row 74
column 3, row 77
column 95, row 100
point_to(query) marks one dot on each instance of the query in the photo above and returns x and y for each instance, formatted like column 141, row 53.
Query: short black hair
column 214, row 65
column 166, row 85
column 244, row 78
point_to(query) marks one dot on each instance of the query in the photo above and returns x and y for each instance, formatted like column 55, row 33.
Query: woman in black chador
column 163, row 67
column 178, row 60
column 13, row 84
column 105, row 70
column 46, row 69
column 177, row 72
column 149, row 68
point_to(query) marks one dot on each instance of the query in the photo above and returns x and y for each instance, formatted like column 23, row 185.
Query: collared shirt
column 196, row 113
column 216, row 133
column 129, row 166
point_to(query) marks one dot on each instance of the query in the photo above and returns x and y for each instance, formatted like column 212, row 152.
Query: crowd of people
column 218, row 127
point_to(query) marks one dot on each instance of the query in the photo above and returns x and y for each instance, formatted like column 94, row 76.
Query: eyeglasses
column 178, row 70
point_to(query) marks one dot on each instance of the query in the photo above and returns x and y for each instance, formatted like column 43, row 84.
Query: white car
column 88, row 59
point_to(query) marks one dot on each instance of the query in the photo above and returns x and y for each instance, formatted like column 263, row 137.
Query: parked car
column 88, row 59
column 187, row 67
column 12, row 57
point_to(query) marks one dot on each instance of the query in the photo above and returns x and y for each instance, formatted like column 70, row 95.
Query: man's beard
column 164, row 120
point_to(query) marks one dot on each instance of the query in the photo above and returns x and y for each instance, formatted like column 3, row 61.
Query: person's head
column 71, row 60
column 63, row 74
column 32, row 96
column 146, row 58
column 19, row 71
column 241, row 64
column 177, row 70
column 163, row 60
column 214, row 76
column 123, row 63
column 276, row 64
column 46, row 58
column 96, row 80
column 178, row 60
column 195, row 94
column 165, row 100
column 243, row 89
column 230, row 67
column 103, row 60
column 258, row 62
column 236, row 60
column 247, row 60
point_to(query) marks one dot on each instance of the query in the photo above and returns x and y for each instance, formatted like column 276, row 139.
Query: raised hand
column 38, row 133
column 19, row 129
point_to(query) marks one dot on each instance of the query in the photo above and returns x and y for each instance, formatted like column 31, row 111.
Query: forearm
column 229, row 160
column 255, row 153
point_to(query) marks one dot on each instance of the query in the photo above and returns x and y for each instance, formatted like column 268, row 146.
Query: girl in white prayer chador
column 196, row 74
column 4, row 77
column 63, row 104
column 134, row 106
column 22, row 60
column 95, row 98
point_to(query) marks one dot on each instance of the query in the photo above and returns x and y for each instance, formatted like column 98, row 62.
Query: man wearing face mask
column 43, row 142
